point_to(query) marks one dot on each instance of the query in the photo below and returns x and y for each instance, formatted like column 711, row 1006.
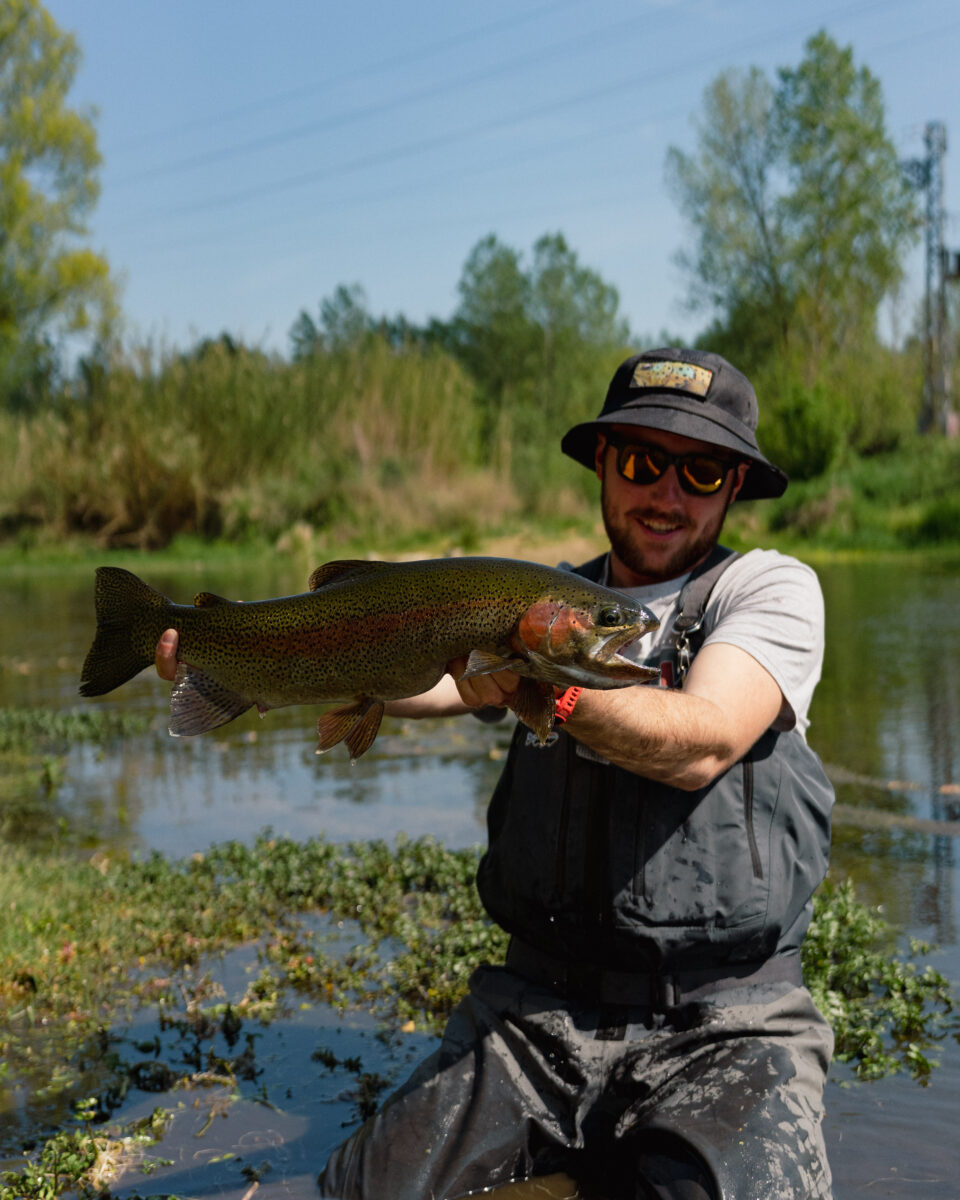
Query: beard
column 625, row 540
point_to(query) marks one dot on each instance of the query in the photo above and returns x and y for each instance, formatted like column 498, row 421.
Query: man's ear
column 742, row 469
column 598, row 455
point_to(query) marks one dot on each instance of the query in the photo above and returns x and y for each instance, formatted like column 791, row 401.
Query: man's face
column 658, row 531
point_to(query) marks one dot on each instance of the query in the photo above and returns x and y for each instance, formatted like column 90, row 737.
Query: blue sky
column 256, row 155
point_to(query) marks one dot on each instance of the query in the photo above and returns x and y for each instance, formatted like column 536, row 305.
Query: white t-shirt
column 770, row 605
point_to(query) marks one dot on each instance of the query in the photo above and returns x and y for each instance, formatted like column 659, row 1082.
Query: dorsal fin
column 209, row 600
column 341, row 569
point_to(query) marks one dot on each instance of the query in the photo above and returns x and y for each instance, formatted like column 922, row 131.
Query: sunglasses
column 699, row 474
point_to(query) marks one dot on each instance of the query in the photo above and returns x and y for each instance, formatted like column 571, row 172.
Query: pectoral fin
column 482, row 662
column 199, row 703
column 357, row 724
column 535, row 704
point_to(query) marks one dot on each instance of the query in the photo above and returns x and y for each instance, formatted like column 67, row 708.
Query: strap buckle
column 683, row 628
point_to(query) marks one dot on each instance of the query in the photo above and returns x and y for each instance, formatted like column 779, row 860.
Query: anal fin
column 199, row 703
column 357, row 724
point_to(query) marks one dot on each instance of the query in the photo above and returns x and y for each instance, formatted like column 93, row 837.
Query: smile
column 659, row 525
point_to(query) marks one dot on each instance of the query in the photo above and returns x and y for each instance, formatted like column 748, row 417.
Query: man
column 654, row 862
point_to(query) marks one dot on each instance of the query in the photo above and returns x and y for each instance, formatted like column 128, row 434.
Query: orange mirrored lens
column 699, row 474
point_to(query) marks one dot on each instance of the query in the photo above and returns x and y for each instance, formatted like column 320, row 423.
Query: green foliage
column 82, row 1163
column 883, row 1009
column 728, row 192
column 938, row 523
column 863, row 403
column 537, row 339
column 84, row 941
column 908, row 497
column 421, row 931
column 49, row 282
column 344, row 322
column 802, row 220
column 804, row 431
column 849, row 213
column 226, row 441
column 32, row 743
column 32, row 729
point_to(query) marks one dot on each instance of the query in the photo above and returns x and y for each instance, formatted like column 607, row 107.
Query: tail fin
column 130, row 618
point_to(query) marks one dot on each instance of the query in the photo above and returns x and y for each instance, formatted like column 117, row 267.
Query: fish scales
column 369, row 632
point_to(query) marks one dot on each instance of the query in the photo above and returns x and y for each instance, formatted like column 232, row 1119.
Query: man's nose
column 667, row 487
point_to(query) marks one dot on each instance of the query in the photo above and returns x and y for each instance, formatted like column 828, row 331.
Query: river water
column 886, row 721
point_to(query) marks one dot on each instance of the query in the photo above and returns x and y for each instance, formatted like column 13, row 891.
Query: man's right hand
column 166, row 656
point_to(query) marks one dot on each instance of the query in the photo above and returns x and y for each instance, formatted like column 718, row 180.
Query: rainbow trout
column 368, row 632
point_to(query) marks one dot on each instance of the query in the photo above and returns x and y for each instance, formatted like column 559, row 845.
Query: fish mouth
column 623, row 647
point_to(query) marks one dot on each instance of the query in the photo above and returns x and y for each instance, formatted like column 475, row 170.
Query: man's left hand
column 480, row 691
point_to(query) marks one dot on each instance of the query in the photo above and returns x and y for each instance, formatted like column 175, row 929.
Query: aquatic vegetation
column 884, row 1008
column 82, row 1161
column 93, row 939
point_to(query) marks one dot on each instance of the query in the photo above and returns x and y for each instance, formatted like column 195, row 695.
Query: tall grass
column 231, row 442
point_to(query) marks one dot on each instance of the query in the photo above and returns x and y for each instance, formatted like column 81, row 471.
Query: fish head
column 587, row 643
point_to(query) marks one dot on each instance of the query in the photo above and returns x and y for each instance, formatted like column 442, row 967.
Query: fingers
column 479, row 691
column 166, row 656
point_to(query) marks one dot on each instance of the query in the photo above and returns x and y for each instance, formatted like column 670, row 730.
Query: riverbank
column 547, row 542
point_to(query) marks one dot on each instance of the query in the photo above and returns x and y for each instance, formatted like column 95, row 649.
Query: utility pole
column 937, row 413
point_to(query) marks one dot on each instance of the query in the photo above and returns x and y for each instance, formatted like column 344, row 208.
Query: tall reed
column 229, row 441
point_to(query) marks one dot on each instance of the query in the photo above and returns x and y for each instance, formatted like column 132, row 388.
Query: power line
column 338, row 120
column 440, row 140
column 374, row 68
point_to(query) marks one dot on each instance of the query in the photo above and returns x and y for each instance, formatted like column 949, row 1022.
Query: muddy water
column 886, row 719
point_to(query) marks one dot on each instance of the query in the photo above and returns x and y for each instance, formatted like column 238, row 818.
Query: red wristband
column 565, row 703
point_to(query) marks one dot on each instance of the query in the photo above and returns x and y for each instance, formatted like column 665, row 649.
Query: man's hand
column 166, row 656
column 480, row 691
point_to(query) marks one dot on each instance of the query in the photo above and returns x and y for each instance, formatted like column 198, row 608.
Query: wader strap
column 691, row 606
column 591, row 985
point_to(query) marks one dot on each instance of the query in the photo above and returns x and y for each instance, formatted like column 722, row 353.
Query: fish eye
column 612, row 615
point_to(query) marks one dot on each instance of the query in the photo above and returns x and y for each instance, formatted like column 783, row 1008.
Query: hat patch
column 675, row 376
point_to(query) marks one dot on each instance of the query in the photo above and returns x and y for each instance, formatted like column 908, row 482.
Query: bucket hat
column 691, row 392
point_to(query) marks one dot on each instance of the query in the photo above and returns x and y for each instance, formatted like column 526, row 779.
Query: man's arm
column 683, row 738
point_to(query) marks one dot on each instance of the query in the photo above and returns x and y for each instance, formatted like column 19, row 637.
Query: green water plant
column 393, row 929
column 82, row 1161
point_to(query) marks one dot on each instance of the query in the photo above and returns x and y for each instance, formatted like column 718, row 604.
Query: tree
column 536, row 338
column 50, row 284
column 344, row 321
column 801, row 213
column 850, row 214
column 492, row 331
column 522, row 330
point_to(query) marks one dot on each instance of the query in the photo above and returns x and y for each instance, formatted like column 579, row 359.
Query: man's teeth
column 661, row 526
